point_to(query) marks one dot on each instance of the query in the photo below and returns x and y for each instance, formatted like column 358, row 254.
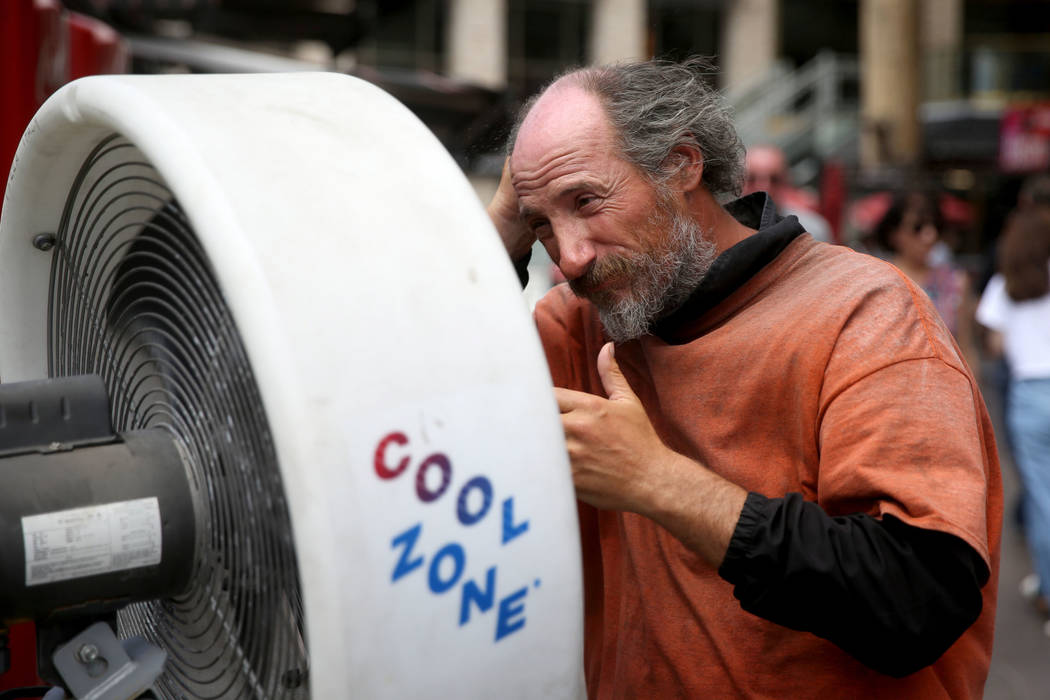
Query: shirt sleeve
column 909, row 440
column 892, row 595
column 889, row 556
column 991, row 310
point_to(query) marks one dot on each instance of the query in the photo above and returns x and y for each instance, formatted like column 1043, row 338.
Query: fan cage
column 133, row 299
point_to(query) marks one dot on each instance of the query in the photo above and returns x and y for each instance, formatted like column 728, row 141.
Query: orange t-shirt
column 827, row 373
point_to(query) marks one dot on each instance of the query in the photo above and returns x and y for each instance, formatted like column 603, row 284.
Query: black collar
column 734, row 266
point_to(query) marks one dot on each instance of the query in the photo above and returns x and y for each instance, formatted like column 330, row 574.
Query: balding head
column 564, row 114
column 653, row 107
column 633, row 247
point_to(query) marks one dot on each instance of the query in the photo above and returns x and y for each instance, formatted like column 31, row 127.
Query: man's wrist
column 700, row 508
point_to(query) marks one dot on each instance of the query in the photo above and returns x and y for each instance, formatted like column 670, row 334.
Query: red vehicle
column 42, row 47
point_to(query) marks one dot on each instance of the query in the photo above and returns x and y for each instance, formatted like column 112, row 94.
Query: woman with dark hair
column 1015, row 307
column 909, row 230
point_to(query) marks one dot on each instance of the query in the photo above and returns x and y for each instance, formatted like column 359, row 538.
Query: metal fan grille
column 133, row 299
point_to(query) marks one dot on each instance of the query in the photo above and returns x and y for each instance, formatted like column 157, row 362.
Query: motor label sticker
column 93, row 540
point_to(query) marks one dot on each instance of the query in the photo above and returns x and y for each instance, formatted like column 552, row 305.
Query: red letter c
column 382, row 469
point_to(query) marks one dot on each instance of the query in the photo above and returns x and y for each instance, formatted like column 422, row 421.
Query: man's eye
column 584, row 200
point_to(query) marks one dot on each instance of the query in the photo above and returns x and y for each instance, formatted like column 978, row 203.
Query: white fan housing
column 403, row 382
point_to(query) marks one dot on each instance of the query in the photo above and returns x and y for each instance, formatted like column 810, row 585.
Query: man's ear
column 686, row 164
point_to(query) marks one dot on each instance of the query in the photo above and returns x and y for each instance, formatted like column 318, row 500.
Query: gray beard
column 661, row 279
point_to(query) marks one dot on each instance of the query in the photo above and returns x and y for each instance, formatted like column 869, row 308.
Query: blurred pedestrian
column 1035, row 192
column 767, row 171
column 1015, row 307
column 910, row 231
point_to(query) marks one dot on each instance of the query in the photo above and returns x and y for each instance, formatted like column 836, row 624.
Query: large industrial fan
column 274, row 421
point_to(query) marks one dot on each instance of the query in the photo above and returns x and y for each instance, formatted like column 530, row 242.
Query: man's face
column 916, row 234
column 616, row 238
column 766, row 171
column 661, row 277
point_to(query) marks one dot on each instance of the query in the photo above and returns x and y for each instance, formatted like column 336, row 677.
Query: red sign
column 1024, row 139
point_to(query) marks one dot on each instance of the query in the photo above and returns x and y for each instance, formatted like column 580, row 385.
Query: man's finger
column 569, row 400
column 616, row 385
column 503, row 211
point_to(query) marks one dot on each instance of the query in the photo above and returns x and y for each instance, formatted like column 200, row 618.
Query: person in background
column 910, row 231
column 1035, row 192
column 1015, row 308
column 767, row 171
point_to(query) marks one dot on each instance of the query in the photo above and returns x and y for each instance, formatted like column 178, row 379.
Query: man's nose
column 576, row 254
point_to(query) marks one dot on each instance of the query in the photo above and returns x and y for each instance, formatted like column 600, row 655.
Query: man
column 767, row 171
column 787, row 478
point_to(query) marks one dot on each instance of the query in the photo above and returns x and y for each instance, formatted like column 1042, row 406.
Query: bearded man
column 787, row 478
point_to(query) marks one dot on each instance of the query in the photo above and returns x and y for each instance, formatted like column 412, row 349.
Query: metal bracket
column 95, row 665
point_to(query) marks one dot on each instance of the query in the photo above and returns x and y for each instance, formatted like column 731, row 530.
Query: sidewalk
column 1021, row 657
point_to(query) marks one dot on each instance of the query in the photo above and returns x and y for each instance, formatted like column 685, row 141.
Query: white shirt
column 813, row 223
column 1025, row 326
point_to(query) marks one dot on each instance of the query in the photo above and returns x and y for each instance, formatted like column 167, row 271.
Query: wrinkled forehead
column 564, row 117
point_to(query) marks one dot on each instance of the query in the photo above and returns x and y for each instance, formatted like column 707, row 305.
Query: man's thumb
column 616, row 386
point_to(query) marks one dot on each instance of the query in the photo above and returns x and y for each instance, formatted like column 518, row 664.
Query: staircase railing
column 810, row 111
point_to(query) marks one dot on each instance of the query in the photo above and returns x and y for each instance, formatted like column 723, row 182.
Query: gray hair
column 656, row 106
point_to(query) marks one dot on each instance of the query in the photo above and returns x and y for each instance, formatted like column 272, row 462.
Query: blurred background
column 861, row 96
column 858, row 99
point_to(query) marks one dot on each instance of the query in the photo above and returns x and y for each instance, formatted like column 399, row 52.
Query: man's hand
column 503, row 210
column 612, row 445
column 620, row 463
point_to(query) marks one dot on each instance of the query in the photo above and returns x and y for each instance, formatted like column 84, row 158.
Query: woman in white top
column 1015, row 307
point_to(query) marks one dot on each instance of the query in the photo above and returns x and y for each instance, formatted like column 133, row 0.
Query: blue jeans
column 1028, row 415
